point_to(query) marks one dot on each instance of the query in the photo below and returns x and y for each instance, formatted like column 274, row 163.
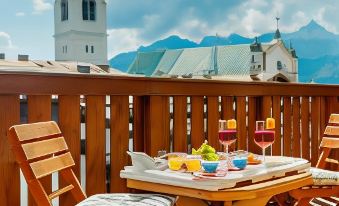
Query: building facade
column 272, row 61
column 80, row 31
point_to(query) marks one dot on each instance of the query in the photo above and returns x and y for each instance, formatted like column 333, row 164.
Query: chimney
column 2, row 56
column 84, row 69
column 22, row 57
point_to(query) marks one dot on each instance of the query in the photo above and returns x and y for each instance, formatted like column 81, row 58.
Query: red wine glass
column 226, row 136
column 263, row 137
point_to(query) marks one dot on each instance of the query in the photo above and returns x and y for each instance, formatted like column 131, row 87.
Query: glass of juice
column 263, row 137
column 227, row 133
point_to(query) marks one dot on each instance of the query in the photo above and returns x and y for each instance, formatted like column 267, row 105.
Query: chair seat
column 124, row 199
column 324, row 177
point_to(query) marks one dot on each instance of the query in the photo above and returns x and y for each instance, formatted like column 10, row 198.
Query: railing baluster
column 157, row 125
column 276, row 104
column 266, row 107
column 95, row 145
column 287, row 123
column 323, row 119
column 39, row 109
column 252, row 117
column 119, row 141
column 212, row 122
column 305, row 127
column 138, row 123
column 197, row 121
column 227, row 111
column 69, row 123
column 9, row 170
column 241, row 123
column 180, row 124
column 315, row 133
column 296, row 127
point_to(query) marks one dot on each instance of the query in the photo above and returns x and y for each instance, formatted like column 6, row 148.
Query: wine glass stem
column 226, row 151
column 263, row 154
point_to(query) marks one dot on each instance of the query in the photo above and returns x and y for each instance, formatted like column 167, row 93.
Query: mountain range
column 317, row 50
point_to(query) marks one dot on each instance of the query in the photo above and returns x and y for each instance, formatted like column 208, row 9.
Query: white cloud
column 320, row 18
column 149, row 20
column 191, row 29
column 295, row 25
column 123, row 40
column 5, row 41
column 40, row 6
column 20, row 14
column 253, row 18
column 328, row 70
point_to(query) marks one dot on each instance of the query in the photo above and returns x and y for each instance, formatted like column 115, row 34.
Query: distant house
column 25, row 65
column 257, row 61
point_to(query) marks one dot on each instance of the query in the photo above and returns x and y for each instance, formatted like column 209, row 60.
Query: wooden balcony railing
column 167, row 114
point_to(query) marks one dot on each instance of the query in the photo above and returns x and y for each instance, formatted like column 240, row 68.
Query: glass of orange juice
column 193, row 165
column 176, row 163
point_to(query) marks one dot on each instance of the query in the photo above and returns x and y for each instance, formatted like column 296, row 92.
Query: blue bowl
column 240, row 162
column 210, row 166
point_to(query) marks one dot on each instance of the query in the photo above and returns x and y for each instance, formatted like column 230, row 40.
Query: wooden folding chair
column 329, row 143
column 40, row 149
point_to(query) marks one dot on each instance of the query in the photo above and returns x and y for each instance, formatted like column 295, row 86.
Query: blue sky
column 26, row 26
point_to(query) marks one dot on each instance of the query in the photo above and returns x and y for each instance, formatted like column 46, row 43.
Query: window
column 64, row 10
column 92, row 49
column 64, row 49
column 86, row 48
column 85, row 9
column 279, row 65
column 88, row 10
column 92, row 10
column 259, row 66
column 252, row 59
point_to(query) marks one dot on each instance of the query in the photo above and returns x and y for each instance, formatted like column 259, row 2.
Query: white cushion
column 324, row 177
column 124, row 199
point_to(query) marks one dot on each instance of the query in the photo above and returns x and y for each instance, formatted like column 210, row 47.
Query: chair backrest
column 329, row 142
column 40, row 150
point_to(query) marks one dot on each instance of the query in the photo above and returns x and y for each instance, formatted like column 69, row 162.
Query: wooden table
column 255, row 194
column 254, row 185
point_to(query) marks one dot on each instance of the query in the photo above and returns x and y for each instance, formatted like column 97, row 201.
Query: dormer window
column 88, row 10
column 64, row 10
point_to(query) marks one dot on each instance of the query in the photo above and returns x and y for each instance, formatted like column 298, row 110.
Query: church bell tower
column 80, row 31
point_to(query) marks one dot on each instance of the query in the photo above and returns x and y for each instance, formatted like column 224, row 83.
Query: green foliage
column 206, row 151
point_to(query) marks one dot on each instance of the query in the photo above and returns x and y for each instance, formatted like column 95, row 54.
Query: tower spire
column 292, row 51
column 277, row 18
column 277, row 34
column 291, row 47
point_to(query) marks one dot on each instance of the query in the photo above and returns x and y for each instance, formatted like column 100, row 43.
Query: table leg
column 303, row 202
column 262, row 201
column 282, row 199
column 186, row 201
column 228, row 203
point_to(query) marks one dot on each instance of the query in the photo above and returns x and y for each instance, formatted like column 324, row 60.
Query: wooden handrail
column 74, row 84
